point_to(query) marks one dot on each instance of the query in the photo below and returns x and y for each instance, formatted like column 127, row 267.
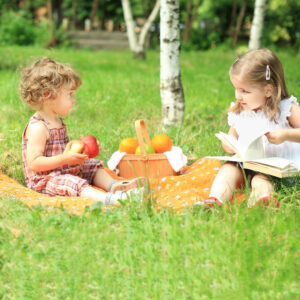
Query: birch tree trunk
column 140, row 51
column 138, row 45
column 129, row 24
column 171, row 90
column 257, row 24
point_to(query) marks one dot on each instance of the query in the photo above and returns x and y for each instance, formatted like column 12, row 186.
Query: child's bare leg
column 261, row 187
column 103, row 180
column 226, row 181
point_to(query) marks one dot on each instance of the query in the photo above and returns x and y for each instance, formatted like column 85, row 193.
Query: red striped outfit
column 62, row 181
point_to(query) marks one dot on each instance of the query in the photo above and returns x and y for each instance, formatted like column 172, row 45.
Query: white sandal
column 126, row 185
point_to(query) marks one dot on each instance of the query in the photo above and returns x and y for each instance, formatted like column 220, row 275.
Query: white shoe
column 136, row 194
column 112, row 199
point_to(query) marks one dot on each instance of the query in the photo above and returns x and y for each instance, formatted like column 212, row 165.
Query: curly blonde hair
column 43, row 80
column 251, row 66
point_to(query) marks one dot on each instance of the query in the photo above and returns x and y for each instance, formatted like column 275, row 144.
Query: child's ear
column 46, row 94
column 269, row 89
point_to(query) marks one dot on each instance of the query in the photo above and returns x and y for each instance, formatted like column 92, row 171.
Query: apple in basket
column 149, row 149
column 87, row 145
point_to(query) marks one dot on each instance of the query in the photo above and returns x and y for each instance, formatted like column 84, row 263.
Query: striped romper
column 63, row 181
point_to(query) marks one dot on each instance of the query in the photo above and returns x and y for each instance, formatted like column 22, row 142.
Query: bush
column 204, row 37
column 17, row 28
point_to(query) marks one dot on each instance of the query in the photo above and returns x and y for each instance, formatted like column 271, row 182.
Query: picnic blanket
column 177, row 192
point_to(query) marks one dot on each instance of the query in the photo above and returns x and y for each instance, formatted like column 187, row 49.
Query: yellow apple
column 77, row 146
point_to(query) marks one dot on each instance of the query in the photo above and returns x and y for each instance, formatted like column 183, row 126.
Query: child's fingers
column 68, row 146
column 269, row 136
column 82, row 157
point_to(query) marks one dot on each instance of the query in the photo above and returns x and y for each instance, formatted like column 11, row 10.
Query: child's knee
column 261, row 181
column 231, row 169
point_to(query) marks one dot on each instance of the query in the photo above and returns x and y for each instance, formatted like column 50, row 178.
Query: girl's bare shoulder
column 37, row 128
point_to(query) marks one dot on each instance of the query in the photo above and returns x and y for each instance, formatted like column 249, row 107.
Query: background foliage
column 212, row 25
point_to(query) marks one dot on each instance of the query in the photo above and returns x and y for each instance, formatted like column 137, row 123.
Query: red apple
column 77, row 146
column 91, row 146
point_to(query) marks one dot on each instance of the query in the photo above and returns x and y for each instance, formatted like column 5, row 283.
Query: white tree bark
column 129, row 24
column 137, row 45
column 257, row 24
column 142, row 37
column 171, row 90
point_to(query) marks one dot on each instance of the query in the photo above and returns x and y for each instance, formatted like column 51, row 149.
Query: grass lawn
column 133, row 253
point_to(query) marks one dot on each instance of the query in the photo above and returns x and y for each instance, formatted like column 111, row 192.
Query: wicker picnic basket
column 146, row 165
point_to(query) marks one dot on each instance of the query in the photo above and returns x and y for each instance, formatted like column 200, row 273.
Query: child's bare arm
column 232, row 132
column 37, row 135
column 279, row 136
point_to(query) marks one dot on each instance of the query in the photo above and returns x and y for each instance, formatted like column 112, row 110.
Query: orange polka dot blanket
column 177, row 192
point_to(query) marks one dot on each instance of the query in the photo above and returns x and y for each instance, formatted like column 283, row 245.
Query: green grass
column 132, row 253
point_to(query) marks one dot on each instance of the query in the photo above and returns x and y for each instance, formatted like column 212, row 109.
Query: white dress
column 249, row 123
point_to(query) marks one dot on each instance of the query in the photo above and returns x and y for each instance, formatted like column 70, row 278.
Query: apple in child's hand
column 77, row 146
column 149, row 149
column 91, row 146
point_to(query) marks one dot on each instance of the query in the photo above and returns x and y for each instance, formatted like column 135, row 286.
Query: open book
column 252, row 156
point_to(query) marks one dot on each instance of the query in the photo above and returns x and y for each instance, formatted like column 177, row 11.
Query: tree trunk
column 140, row 51
column 129, row 25
column 74, row 12
column 257, row 24
column 135, row 44
column 192, row 12
column 233, row 15
column 171, row 90
column 239, row 22
column 187, row 24
column 51, row 42
column 94, row 11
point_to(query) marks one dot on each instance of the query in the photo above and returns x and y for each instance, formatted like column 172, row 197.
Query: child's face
column 64, row 101
column 250, row 96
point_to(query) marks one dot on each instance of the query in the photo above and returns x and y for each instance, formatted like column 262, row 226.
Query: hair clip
column 268, row 73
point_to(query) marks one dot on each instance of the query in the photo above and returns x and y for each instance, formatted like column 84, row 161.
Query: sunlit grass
column 131, row 253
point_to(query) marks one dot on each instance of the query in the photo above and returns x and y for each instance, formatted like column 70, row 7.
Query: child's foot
column 133, row 194
column 113, row 199
column 136, row 194
column 209, row 202
column 268, row 200
column 126, row 185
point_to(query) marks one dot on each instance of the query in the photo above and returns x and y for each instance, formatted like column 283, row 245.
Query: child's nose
column 238, row 95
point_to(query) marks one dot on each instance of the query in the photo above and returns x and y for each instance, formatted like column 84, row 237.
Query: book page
column 255, row 149
column 233, row 158
column 277, row 162
column 232, row 143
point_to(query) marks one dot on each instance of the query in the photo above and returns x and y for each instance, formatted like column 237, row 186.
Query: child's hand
column 228, row 149
column 72, row 158
column 277, row 136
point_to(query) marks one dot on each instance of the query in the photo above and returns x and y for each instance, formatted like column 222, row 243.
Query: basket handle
column 142, row 133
